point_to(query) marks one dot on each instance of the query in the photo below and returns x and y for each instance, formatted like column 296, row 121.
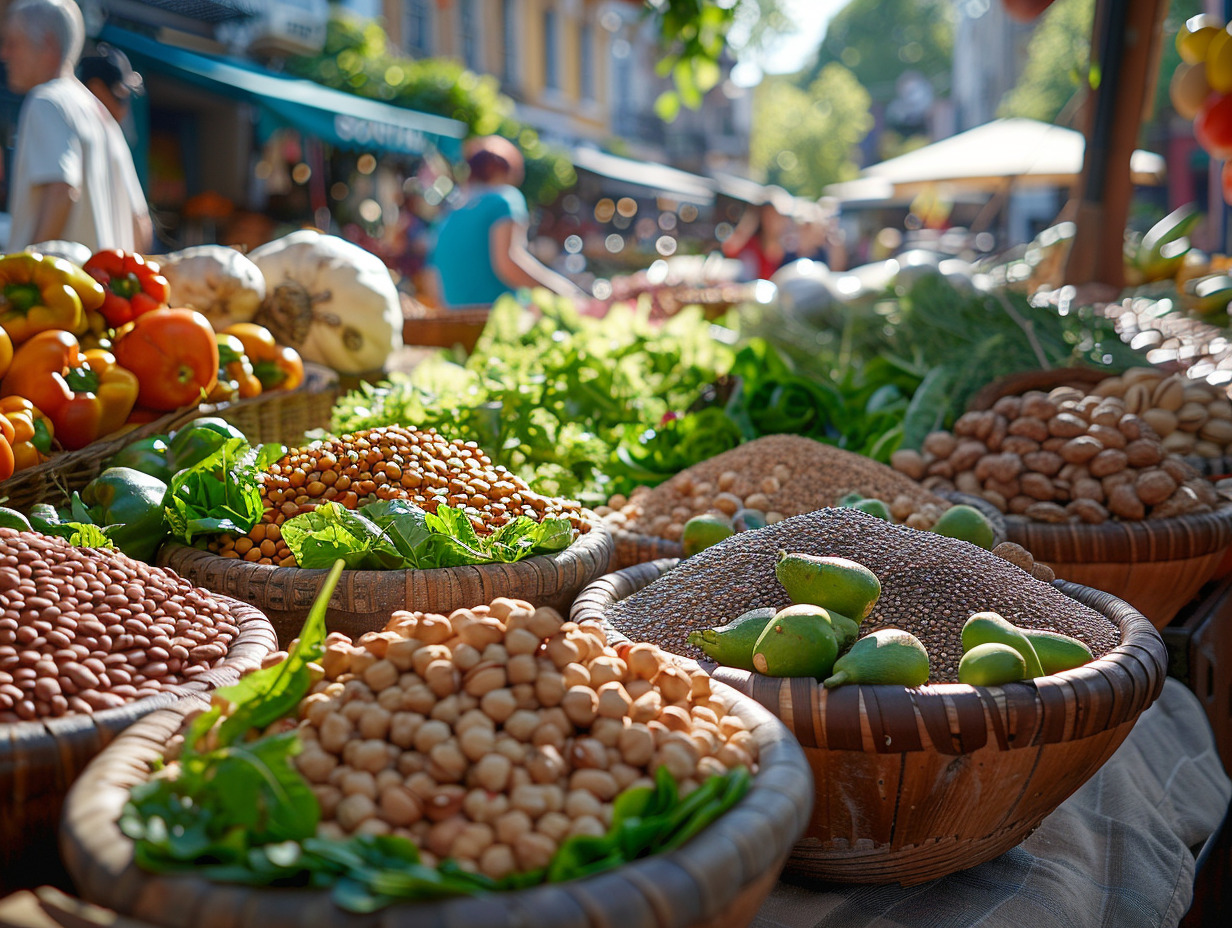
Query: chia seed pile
column 930, row 585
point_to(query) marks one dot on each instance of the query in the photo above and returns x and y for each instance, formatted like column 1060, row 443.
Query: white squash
column 331, row 300
column 217, row 281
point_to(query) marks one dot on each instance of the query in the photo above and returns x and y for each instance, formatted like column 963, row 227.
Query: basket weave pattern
column 364, row 599
column 39, row 760
column 717, row 880
column 916, row 783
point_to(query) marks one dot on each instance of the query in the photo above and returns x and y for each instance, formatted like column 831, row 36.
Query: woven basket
column 634, row 548
column 916, row 783
column 278, row 416
column 1155, row 565
column 40, row 760
column 1017, row 384
column 445, row 328
column 718, row 880
column 365, row 599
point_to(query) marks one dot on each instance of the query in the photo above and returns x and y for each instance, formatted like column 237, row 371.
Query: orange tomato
column 174, row 354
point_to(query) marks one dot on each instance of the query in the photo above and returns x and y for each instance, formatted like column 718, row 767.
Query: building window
column 551, row 51
column 509, row 26
column 419, row 27
column 468, row 22
column 586, row 62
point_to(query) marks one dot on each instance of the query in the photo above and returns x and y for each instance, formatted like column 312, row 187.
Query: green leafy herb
column 397, row 535
column 221, row 493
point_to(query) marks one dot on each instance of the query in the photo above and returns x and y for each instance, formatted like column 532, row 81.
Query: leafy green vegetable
column 73, row 525
column 220, row 493
column 397, row 535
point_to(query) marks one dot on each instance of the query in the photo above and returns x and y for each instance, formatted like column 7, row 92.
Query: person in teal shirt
column 480, row 250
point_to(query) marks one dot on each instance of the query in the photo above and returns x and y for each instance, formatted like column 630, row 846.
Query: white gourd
column 331, row 300
column 219, row 282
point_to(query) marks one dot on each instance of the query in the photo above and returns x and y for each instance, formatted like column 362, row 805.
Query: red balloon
column 1213, row 126
column 1025, row 10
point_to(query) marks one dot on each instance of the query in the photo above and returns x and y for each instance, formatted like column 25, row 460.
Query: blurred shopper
column 480, row 251
column 109, row 75
column 73, row 175
column 758, row 241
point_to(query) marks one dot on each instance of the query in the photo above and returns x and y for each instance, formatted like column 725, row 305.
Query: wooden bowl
column 364, row 599
column 40, row 760
column 635, row 548
column 1155, row 565
column 718, row 880
column 916, row 783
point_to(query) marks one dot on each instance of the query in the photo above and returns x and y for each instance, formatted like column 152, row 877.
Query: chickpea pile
column 86, row 629
column 1069, row 456
column 389, row 463
column 491, row 735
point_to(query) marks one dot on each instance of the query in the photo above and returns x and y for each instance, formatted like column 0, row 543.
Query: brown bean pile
column 930, row 585
column 779, row 475
column 390, row 463
column 85, row 629
column 1070, row 456
column 491, row 735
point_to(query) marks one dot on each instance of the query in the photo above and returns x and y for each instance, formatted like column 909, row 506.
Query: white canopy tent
column 993, row 157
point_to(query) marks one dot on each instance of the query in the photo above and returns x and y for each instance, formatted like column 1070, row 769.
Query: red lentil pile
column 422, row 467
column 86, row 629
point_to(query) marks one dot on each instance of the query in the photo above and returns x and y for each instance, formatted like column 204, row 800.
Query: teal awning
column 337, row 118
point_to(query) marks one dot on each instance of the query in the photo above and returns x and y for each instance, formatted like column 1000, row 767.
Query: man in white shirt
column 73, row 175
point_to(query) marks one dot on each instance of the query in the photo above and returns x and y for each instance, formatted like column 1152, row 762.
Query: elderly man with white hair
column 73, row 175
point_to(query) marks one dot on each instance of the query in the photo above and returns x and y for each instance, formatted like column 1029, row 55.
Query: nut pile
column 86, row 629
column 779, row 475
column 491, row 735
column 390, row 463
column 930, row 584
column 1070, row 456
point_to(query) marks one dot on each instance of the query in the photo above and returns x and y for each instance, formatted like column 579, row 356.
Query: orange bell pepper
column 6, row 458
column 32, row 431
column 278, row 367
column 85, row 394
column 6, row 351
column 236, row 379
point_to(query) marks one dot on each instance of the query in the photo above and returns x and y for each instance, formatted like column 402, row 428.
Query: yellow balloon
column 1219, row 61
column 1195, row 35
column 1188, row 89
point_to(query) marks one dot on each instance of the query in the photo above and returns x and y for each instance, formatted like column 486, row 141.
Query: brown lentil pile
column 86, row 629
column 420, row 466
column 1070, row 456
column 491, row 735
column 779, row 475
column 930, row 585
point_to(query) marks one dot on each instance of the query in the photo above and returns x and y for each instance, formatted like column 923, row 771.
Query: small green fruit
column 967, row 524
column 732, row 644
column 837, row 583
column 991, row 664
column 748, row 520
column 989, row 627
column 847, row 500
column 885, row 656
column 1057, row 652
column 700, row 532
column 798, row 642
column 874, row 507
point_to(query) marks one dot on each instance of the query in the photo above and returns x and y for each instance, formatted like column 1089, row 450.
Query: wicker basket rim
column 247, row 617
column 782, row 789
column 1139, row 646
column 594, row 541
column 1208, row 531
column 1023, row 381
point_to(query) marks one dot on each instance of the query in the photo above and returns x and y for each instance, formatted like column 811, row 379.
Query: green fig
column 836, row 583
column 700, row 532
column 967, row 524
column 732, row 644
column 1057, row 652
column 798, row 642
column 991, row 664
column 885, row 656
column 874, row 507
column 989, row 627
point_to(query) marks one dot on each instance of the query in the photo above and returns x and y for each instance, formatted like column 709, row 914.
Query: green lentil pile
column 779, row 475
column 930, row 585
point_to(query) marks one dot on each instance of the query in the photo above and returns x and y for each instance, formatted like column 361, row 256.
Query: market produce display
column 493, row 748
column 462, row 508
column 1066, row 456
column 779, row 476
column 88, row 628
column 930, row 584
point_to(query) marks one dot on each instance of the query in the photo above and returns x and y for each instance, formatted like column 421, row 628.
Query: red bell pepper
column 134, row 285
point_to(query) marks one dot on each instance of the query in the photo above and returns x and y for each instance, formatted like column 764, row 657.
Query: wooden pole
column 1125, row 38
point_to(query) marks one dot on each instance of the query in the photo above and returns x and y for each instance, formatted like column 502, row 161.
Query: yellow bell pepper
column 6, row 352
column 32, row 431
column 41, row 292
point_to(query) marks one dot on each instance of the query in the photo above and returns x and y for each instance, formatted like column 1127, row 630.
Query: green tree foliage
column 804, row 139
column 1058, row 56
column 356, row 60
column 878, row 40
